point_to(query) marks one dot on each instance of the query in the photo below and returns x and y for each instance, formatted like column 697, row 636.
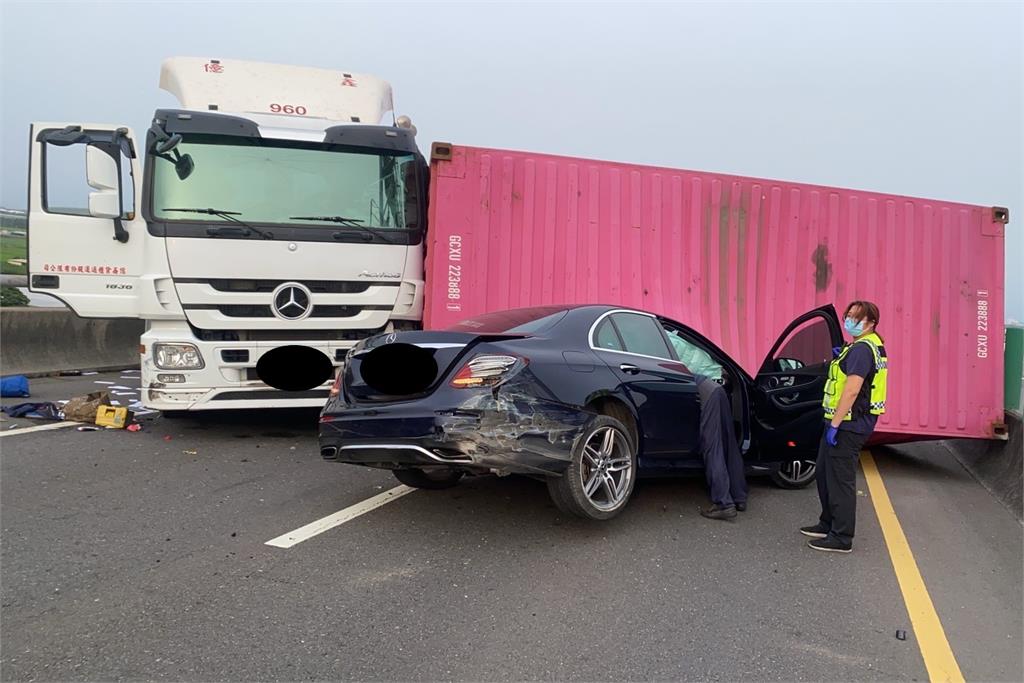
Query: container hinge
column 1000, row 214
column 441, row 151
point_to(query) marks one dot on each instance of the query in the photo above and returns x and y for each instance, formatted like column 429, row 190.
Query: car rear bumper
column 516, row 437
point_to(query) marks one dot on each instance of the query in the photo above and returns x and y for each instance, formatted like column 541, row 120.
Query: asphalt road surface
column 144, row 556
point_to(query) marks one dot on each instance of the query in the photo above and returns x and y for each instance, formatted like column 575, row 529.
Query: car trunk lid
column 408, row 365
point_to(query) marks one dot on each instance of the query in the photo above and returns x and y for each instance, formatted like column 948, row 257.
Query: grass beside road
column 13, row 248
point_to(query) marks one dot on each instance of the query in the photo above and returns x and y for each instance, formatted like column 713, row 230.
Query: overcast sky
column 918, row 98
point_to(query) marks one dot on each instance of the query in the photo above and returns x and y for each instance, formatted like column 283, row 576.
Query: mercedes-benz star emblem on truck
column 292, row 301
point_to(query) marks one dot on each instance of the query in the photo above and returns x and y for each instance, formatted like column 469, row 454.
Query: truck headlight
column 177, row 357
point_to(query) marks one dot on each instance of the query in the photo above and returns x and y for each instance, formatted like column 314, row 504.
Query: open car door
column 788, row 418
column 85, row 233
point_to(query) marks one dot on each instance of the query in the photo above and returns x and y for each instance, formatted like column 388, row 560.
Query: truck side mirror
column 102, row 173
column 184, row 166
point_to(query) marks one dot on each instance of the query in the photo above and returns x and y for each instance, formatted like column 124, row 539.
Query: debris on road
column 33, row 411
column 84, row 408
column 14, row 386
column 136, row 427
column 87, row 428
column 190, row 452
column 116, row 417
column 901, row 634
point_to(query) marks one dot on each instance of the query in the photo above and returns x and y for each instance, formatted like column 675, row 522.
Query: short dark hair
column 867, row 309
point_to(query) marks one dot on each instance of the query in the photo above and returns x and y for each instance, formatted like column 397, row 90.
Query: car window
column 641, row 334
column 606, row 337
column 695, row 358
column 808, row 344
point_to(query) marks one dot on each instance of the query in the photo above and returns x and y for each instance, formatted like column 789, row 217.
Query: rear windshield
column 518, row 321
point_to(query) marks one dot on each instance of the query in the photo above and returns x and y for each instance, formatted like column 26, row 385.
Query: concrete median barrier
column 41, row 341
column 997, row 465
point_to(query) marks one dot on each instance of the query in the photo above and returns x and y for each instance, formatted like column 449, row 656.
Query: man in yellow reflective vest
column 854, row 398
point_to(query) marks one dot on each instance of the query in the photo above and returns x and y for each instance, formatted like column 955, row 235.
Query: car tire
column 435, row 479
column 601, row 474
column 793, row 474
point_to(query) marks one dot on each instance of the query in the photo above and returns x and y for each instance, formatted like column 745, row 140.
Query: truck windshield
column 289, row 182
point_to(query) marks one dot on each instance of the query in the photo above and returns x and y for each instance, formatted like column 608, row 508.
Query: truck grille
column 251, row 311
column 283, row 335
column 315, row 286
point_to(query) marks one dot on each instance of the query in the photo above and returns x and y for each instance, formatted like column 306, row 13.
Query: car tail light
column 336, row 387
column 487, row 371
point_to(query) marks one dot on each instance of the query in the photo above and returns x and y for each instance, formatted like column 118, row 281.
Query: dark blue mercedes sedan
column 586, row 397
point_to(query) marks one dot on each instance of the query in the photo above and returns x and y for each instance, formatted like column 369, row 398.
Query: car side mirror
column 102, row 174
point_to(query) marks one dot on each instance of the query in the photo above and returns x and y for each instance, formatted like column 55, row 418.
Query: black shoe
column 719, row 512
column 819, row 530
column 830, row 544
column 741, row 507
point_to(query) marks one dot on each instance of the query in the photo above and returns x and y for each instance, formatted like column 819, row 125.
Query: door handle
column 629, row 369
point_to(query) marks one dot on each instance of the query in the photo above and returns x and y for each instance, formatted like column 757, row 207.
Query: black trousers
column 723, row 464
column 837, row 482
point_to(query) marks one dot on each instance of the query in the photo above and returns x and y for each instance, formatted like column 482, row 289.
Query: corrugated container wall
column 737, row 259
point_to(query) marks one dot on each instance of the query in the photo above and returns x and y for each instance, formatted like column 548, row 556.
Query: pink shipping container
column 735, row 258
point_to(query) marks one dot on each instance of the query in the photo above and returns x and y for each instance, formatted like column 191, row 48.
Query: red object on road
column 736, row 258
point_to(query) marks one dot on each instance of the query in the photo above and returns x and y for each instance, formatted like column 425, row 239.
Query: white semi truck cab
column 278, row 219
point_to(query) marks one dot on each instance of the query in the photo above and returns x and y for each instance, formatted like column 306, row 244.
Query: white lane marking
column 39, row 428
column 304, row 533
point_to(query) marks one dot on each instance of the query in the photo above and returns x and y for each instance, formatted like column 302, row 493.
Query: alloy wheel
column 607, row 469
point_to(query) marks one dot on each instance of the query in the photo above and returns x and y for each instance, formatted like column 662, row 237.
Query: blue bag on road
column 15, row 386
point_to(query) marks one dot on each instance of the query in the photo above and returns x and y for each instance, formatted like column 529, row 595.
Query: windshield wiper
column 346, row 221
column 228, row 216
column 331, row 219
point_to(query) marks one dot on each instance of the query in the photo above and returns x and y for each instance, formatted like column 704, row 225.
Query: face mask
column 854, row 328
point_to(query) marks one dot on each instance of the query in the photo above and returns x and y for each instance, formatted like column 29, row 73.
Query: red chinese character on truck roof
column 213, row 67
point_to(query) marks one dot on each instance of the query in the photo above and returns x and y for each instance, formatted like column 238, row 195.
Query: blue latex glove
column 832, row 436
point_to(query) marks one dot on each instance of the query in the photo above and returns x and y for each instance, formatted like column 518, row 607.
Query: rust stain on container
column 822, row 268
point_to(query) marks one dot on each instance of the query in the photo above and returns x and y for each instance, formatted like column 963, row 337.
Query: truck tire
column 435, row 479
column 601, row 474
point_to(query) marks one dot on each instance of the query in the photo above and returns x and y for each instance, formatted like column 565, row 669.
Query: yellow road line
column 931, row 638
